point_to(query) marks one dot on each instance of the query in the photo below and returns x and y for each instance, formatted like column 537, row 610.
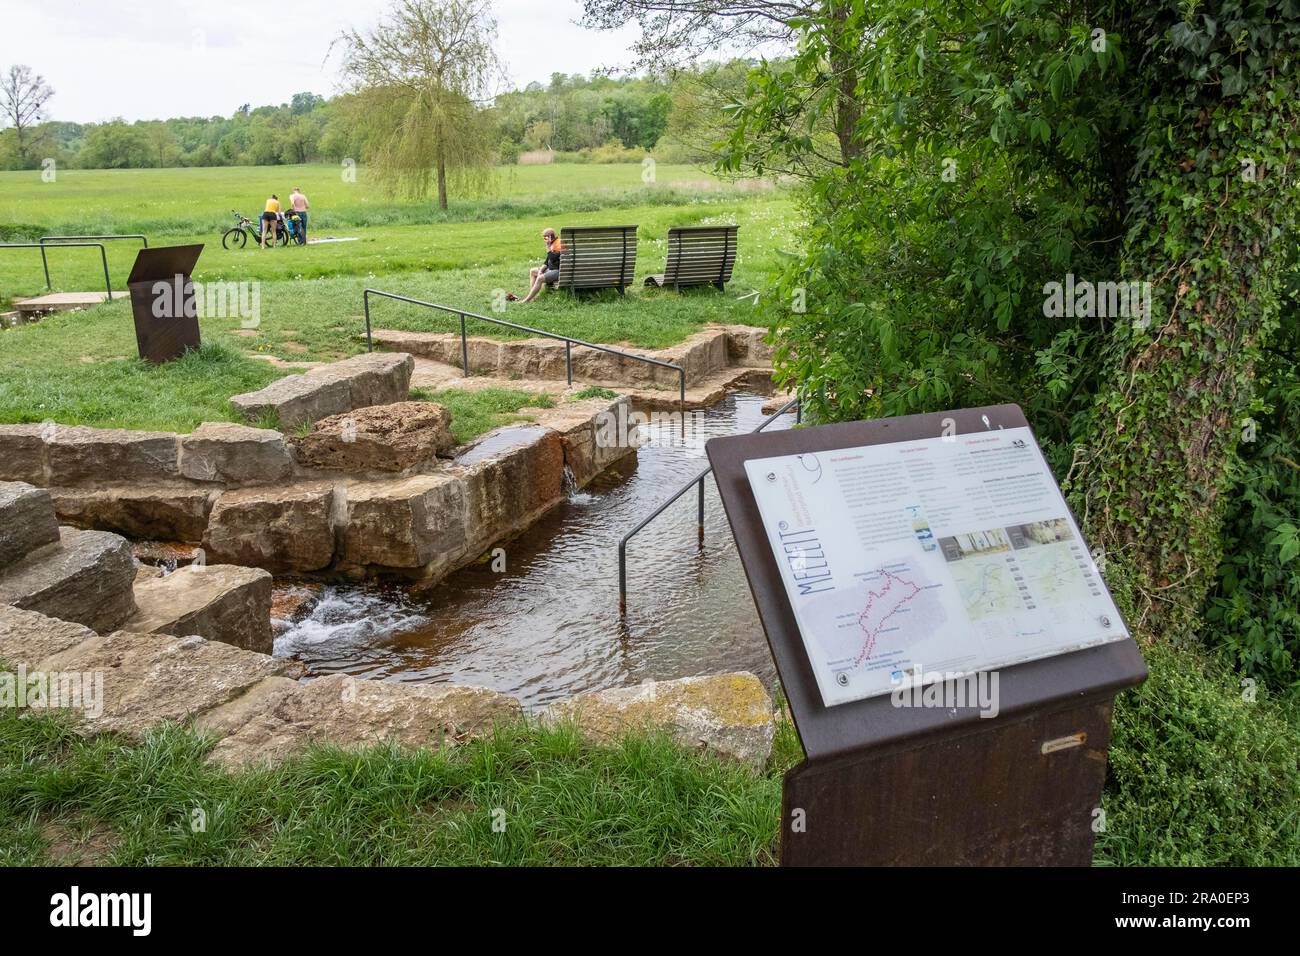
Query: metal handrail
column 569, row 341
column 108, row 285
column 130, row 235
column 697, row 480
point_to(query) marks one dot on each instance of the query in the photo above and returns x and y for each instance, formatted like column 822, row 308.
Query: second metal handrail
column 569, row 341
column 697, row 480
column 126, row 235
column 45, row 262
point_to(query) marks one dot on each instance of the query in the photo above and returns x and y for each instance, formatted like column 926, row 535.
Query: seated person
column 548, row 271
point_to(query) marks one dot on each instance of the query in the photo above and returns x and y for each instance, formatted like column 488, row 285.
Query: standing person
column 549, row 271
column 270, row 218
column 298, row 202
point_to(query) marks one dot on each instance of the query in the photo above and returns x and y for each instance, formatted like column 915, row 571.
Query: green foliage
column 596, row 391
column 982, row 168
column 1254, row 611
column 1198, row 775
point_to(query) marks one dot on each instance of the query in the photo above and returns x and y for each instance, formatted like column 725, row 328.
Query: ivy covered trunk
column 1213, row 205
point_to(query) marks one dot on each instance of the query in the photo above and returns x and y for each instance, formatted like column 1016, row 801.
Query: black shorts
column 269, row 217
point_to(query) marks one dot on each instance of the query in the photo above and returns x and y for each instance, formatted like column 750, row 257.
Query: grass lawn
column 80, row 368
column 1198, row 777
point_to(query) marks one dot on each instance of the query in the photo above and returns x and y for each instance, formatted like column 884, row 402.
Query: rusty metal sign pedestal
column 162, row 302
column 888, row 785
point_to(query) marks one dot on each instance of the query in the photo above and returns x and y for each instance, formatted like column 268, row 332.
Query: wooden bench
column 698, row 255
column 597, row 257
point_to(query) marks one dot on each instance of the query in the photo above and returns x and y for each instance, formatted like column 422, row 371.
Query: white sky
column 154, row 59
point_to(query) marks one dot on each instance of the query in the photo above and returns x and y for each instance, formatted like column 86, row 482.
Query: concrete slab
column 62, row 302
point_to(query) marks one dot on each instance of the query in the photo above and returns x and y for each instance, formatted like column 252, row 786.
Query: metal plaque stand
column 924, row 786
column 162, row 301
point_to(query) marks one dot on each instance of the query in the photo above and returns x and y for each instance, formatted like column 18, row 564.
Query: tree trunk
column 442, row 179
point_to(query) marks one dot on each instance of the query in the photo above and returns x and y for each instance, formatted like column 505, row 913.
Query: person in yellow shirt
column 270, row 218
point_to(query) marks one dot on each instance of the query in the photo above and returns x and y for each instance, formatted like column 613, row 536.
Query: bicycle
column 237, row 236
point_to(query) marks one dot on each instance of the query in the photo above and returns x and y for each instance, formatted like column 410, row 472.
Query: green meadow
column 80, row 368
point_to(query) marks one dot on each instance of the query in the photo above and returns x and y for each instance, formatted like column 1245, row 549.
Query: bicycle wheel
column 234, row 238
column 282, row 236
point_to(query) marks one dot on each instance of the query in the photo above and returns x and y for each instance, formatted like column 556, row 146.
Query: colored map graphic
column 987, row 587
column 893, row 606
column 1053, row 574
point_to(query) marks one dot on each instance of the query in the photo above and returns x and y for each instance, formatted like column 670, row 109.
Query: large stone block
column 169, row 512
column 729, row 714
column 22, row 453
column 234, row 454
column 391, row 437
column 78, row 455
column 283, row 717
column 511, row 475
column 377, row 378
column 407, row 523
column 219, row 602
column 85, row 578
column 279, row 529
column 596, row 434
column 27, row 521
column 152, row 678
column 28, row 637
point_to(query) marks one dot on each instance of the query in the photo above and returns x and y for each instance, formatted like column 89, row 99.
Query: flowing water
column 548, row 626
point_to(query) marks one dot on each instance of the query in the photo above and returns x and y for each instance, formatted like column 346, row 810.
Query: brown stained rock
column 86, row 577
column 27, row 521
column 234, row 454
column 377, row 378
column 405, row 523
column 152, row 678
column 729, row 714
column 279, row 718
column 279, row 529
column 27, row 638
column 80, row 455
column 22, row 453
column 169, row 512
column 379, row 438
column 293, row 602
column 219, row 602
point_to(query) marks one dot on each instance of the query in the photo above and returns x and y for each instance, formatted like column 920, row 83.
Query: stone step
column 377, row 378
column 85, row 577
column 219, row 602
column 27, row 521
column 701, row 354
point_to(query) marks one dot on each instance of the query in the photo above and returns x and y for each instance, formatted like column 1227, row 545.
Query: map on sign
column 938, row 556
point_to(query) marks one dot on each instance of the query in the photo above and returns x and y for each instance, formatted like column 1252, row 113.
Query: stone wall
column 250, row 497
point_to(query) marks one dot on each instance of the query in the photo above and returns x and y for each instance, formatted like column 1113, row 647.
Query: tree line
column 573, row 116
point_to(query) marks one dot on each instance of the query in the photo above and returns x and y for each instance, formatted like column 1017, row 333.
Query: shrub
column 1199, row 776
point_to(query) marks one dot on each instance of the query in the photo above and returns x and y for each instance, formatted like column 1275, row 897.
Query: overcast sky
column 154, row 59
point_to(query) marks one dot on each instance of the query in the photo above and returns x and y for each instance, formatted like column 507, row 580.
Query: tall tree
column 421, row 77
column 23, row 95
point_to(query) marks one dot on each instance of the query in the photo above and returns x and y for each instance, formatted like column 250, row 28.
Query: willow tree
column 421, row 78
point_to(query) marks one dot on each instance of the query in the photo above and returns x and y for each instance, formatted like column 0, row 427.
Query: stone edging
column 263, row 712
